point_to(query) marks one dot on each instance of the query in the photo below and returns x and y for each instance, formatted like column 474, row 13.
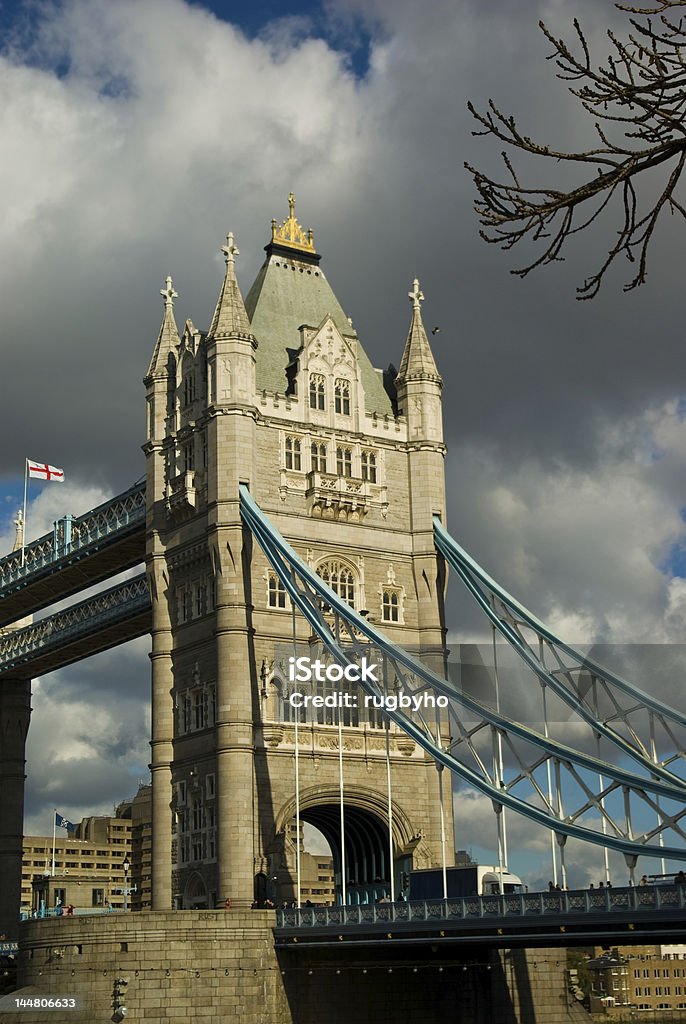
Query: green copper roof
column 280, row 301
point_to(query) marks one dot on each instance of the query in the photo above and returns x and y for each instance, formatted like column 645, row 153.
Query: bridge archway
column 368, row 862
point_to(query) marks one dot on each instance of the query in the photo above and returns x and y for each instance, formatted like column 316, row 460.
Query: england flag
column 42, row 471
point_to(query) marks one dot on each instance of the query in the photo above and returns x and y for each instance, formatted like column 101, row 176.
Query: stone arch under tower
column 367, row 848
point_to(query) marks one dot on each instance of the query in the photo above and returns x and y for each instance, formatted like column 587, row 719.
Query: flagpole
column 54, row 826
column 23, row 529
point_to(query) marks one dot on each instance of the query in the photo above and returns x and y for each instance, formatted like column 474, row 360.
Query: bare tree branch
column 637, row 99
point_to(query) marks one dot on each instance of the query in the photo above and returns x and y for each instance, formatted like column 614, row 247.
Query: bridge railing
column 126, row 599
column 518, row 905
column 72, row 535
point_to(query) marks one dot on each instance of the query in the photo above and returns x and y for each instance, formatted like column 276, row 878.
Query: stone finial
column 19, row 531
column 230, row 250
column 168, row 293
column 416, row 296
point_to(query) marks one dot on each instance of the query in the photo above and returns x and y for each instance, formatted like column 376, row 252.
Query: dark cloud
column 164, row 127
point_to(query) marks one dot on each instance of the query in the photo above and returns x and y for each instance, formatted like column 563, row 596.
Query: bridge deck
column 627, row 915
column 97, row 624
column 77, row 554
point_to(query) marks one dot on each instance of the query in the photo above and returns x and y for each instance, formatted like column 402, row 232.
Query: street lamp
column 126, row 888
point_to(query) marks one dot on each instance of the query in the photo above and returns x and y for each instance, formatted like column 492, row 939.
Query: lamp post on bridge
column 126, row 889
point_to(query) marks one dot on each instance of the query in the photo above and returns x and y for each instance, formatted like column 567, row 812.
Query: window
column 344, row 462
column 369, row 467
column 292, row 453
column 186, row 713
column 209, row 786
column 342, row 397
column 197, row 599
column 59, row 896
column 98, row 898
column 276, row 594
column 200, row 708
column 390, row 605
column 188, row 388
column 204, row 449
column 317, row 384
column 183, row 603
column 318, row 452
column 340, row 578
column 188, row 459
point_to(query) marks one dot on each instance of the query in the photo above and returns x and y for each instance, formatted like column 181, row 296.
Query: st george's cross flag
column 42, row 471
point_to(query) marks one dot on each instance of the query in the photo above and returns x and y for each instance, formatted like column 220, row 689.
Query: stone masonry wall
column 207, row 967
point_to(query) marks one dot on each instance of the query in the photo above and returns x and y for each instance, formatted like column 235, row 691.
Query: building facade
column 348, row 462
column 641, row 978
column 89, row 870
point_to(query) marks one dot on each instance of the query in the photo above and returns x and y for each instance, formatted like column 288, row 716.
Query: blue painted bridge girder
column 585, row 917
column 102, row 621
column 78, row 553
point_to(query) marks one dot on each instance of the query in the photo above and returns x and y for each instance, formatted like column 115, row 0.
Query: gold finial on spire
column 230, row 250
column 168, row 293
column 416, row 296
column 291, row 234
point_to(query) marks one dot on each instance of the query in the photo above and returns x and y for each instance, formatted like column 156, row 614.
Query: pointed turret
column 168, row 338
column 230, row 317
column 417, row 361
column 161, row 376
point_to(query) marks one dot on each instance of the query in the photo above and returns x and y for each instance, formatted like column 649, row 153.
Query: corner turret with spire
column 418, row 383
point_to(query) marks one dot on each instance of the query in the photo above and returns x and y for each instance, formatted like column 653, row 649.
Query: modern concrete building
column 89, row 870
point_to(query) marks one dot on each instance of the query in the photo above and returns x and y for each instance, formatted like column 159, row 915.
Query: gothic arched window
column 344, row 462
column 369, row 467
column 318, row 454
column 293, row 453
column 342, row 396
column 276, row 592
column 317, row 390
column 340, row 577
column 390, row 605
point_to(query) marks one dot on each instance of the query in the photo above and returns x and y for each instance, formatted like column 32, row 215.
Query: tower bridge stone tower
column 347, row 461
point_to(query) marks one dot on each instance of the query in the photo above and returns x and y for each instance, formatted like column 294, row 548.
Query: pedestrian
column 551, row 886
column 644, row 880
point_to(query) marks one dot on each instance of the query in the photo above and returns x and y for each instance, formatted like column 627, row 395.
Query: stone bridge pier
column 15, row 713
column 211, row 967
